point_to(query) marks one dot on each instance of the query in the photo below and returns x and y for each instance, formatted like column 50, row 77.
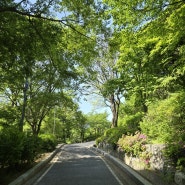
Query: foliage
column 130, row 114
column 69, row 125
column 151, row 40
column 133, row 144
column 97, row 123
column 111, row 136
column 102, row 77
column 11, row 146
column 32, row 147
column 181, row 164
column 175, row 151
column 18, row 148
column 134, row 49
column 131, row 122
column 46, row 54
column 165, row 120
column 8, row 115
column 49, row 142
column 164, row 123
column 137, row 13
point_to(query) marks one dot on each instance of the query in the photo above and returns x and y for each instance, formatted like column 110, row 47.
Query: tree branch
column 39, row 16
column 158, row 7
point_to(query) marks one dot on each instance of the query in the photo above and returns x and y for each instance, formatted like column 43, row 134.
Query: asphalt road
column 76, row 165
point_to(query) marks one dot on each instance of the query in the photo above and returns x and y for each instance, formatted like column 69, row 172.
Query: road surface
column 75, row 164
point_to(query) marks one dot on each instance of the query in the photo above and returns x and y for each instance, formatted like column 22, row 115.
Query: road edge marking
column 52, row 163
column 115, row 176
column 109, row 168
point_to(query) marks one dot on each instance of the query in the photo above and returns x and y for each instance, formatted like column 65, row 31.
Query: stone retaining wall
column 158, row 170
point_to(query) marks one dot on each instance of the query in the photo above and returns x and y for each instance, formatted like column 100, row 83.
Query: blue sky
column 88, row 105
column 85, row 106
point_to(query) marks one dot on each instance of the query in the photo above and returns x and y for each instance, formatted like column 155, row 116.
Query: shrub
column 111, row 136
column 49, row 142
column 165, row 120
column 100, row 139
column 181, row 164
column 133, row 144
column 11, row 146
column 175, row 151
column 131, row 121
column 17, row 148
column 165, row 123
column 32, row 148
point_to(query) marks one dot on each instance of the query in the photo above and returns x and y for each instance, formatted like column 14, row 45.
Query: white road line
column 53, row 162
column 115, row 176
column 38, row 180
column 59, row 154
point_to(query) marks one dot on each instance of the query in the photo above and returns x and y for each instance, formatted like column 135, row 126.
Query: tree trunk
column 21, row 123
column 114, row 109
column 34, row 129
column 143, row 98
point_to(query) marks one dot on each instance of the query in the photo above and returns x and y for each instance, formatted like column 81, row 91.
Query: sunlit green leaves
column 165, row 119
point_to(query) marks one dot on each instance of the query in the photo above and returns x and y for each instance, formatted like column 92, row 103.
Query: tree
column 33, row 67
column 151, row 25
column 146, row 54
column 133, row 15
column 45, row 39
column 97, row 123
column 66, row 122
column 80, row 125
column 103, row 79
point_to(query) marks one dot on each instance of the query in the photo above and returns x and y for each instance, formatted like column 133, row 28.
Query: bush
column 131, row 122
column 181, row 164
column 133, row 144
column 49, row 142
column 17, row 148
column 11, row 146
column 100, row 139
column 130, row 114
column 175, row 151
column 165, row 123
column 32, row 148
column 111, row 136
column 165, row 120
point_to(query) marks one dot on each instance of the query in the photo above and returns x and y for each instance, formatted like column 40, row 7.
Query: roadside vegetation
column 53, row 53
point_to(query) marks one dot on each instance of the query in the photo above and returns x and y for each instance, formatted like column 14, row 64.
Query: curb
column 140, row 180
column 21, row 180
